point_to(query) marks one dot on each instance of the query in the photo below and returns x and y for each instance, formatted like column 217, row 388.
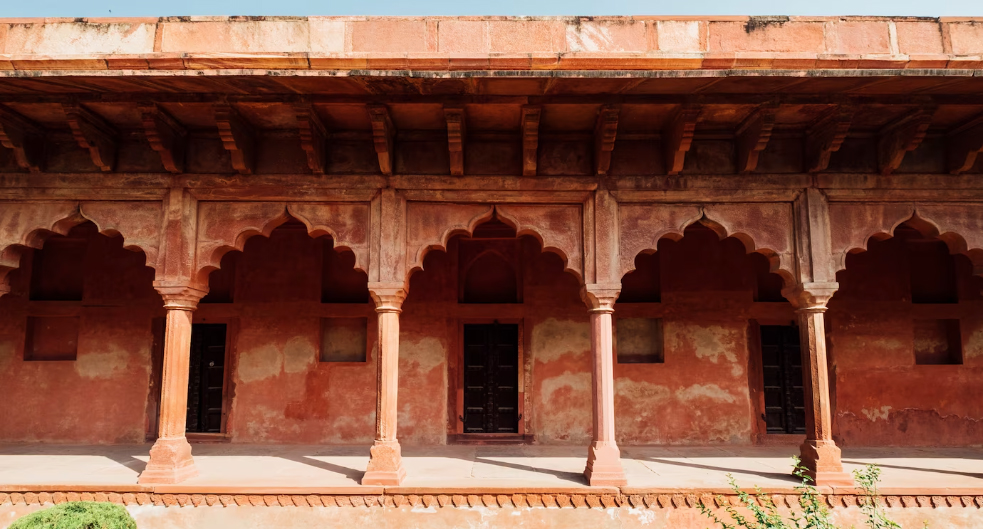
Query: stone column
column 385, row 462
column 603, row 457
column 819, row 453
column 170, row 457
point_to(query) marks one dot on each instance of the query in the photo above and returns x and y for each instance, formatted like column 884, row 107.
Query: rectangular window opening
column 343, row 339
column 639, row 341
column 937, row 342
column 51, row 338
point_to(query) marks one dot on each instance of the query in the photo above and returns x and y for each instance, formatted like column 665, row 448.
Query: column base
column 822, row 462
column 604, row 466
column 385, row 464
column 170, row 462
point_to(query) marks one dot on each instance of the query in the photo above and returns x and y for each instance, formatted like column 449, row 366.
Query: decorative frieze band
column 518, row 500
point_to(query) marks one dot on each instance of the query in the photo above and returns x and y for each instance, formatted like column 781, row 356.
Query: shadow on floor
column 916, row 469
column 780, row 476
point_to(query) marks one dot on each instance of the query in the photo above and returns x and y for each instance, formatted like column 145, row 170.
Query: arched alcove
column 489, row 278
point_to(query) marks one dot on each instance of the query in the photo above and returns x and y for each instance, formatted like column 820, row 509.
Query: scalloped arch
column 643, row 229
column 26, row 225
column 431, row 226
column 226, row 226
column 959, row 226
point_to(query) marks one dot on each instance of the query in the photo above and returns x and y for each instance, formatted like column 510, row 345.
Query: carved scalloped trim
column 781, row 264
column 59, row 224
column 441, row 244
column 587, row 500
column 547, row 245
column 928, row 227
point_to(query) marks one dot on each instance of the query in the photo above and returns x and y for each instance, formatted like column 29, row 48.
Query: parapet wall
column 491, row 43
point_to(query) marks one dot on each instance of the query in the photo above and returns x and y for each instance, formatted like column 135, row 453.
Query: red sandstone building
column 418, row 232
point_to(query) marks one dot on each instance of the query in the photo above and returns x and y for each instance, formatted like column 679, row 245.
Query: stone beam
column 965, row 144
column 238, row 137
column 456, row 133
column 900, row 137
column 24, row 137
column 605, row 133
column 678, row 137
column 825, row 137
column 530, row 138
column 753, row 135
column 165, row 135
column 313, row 137
column 383, row 134
column 94, row 134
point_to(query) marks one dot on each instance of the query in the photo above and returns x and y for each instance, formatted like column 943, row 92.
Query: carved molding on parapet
column 810, row 297
column 388, row 297
column 180, row 295
column 562, row 500
column 601, row 297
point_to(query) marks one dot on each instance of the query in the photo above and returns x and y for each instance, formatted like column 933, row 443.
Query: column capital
column 810, row 297
column 600, row 297
column 388, row 297
column 180, row 295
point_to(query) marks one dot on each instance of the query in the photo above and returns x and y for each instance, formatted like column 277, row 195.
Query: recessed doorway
column 491, row 378
column 206, row 378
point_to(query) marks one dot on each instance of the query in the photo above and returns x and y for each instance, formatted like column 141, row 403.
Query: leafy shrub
column 812, row 513
column 78, row 515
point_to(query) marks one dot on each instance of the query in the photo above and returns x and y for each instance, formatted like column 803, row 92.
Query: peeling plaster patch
column 265, row 421
column 259, row 363
column 554, row 338
column 641, row 391
column 562, row 421
column 708, row 341
column 705, row 391
column 298, row 354
column 877, row 413
column 425, row 353
column 973, row 347
column 101, row 365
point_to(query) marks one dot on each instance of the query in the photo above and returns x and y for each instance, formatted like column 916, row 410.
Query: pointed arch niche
column 905, row 326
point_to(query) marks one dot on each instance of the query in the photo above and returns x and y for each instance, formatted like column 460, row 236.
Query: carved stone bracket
column 388, row 297
column 238, row 137
column 165, row 135
column 825, row 138
column 22, row 136
column 810, row 297
column 753, row 136
column 605, row 133
column 456, row 136
column 313, row 137
column 600, row 297
column 965, row 144
column 530, row 138
column 900, row 137
column 383, row 133
column 94, row 134
column 677, row 137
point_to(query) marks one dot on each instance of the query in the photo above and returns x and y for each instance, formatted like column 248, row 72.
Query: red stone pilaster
column 819, row 453
column 385, row 461
column 170, row 457
column 603, row 457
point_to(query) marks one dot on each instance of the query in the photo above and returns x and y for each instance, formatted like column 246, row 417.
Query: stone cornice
column 505, row 43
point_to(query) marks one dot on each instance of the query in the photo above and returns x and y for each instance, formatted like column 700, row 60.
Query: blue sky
column 83, row 8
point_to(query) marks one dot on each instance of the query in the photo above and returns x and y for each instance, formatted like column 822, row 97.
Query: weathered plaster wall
column 101, row 397
column 881, row 396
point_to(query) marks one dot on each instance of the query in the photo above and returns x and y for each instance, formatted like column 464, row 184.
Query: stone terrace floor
column 233, row 468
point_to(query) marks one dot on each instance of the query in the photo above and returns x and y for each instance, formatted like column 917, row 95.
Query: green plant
column 812, row 513
column 78, row 515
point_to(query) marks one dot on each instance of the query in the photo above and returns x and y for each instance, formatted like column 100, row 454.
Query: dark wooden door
column 206, row 377
column 491, row 378
column 782, row 362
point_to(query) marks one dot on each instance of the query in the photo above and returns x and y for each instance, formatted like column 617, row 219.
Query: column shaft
column 603, row 457
column 385, row 461
column 170, row 457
